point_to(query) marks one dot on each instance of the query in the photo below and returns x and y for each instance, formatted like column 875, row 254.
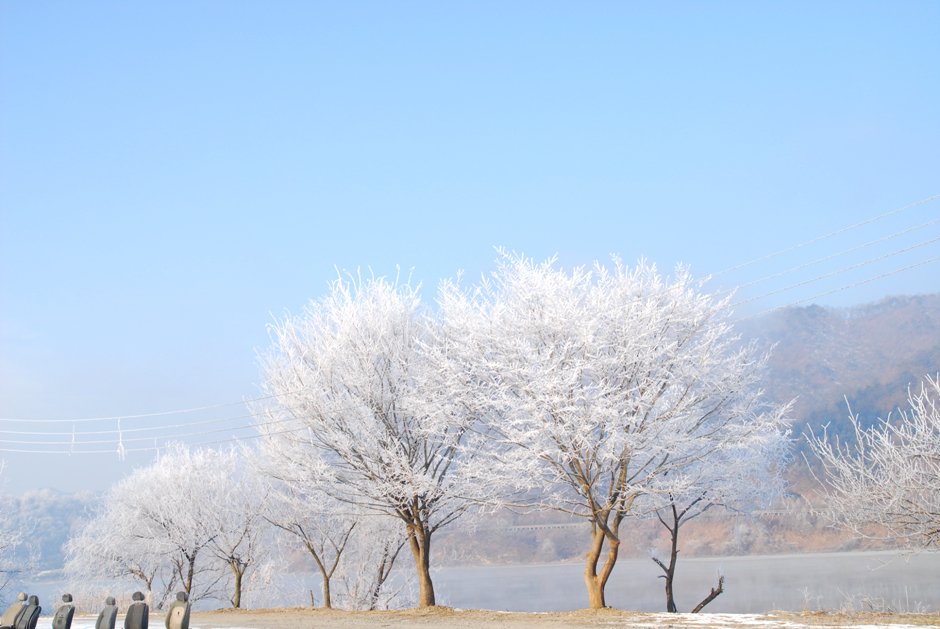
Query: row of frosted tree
column 606, row 394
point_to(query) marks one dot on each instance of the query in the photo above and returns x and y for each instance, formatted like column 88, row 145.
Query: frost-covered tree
column 355, row 404
column 744, row 477
column 182, row 521
column 363, row 578
column 111, row 546
column 353, row 545
column 11, row 536
column 886, row 482
column 236, row 517
column 599, row 385
column 171, row 502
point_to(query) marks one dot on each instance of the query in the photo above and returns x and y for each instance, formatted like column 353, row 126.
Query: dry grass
column 449, row 618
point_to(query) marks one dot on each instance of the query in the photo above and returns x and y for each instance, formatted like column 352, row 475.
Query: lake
column 752, row 584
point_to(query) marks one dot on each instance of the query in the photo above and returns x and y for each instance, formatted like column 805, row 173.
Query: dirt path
column 448, row 618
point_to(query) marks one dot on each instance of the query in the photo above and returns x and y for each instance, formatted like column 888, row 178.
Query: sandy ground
column 449, row 618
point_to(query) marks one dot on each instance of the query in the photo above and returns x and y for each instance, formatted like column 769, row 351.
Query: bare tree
column 743, row 477
column 886, row 482
column 356, row 406
column 596, row 384
column 315, row 521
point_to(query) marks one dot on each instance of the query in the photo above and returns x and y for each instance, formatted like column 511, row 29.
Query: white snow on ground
column 702, row 620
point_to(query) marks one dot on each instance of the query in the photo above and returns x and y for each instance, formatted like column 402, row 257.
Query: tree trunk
column 238, row 568
column 385, row 569
column 327, row 602
column 326, row 574
column 714, row 594
column 186, row 580
column 670, row 570
column 597, row 581
column 419, row 537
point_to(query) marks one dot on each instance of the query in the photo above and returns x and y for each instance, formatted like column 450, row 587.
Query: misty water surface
column 752, row 584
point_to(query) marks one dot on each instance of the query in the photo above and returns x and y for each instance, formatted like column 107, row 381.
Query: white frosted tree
column 183, row 521
column 112, row 546
column 172, row 505
column 11, row 536
column 364, row 576
column 356, row 405
column 598, row 386
column 885, row 483
column 236, row 517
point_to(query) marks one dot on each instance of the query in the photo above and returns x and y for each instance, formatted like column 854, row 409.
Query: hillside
column 47, row 517
column 869, row 354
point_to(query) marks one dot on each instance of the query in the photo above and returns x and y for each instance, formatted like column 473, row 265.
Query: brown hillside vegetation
column 869, row 354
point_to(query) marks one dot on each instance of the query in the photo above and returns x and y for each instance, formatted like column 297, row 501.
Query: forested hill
column 869, row 354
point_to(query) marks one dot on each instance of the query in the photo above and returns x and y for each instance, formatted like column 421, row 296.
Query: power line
column 871, row 279
column 835, row 233
column 121, row 431
column 112, row 432
column 116, row 417
column 203, row 443
column 120, row 440
column 820, row 277
column 835, row 255
column 121, row 450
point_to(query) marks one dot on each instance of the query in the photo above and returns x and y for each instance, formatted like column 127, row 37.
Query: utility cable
column 815, row 279
column 126, row 450
column 255, row 425
column 188, row 410
column 835, row 233
column 247, row 401
column 835, row 255
column 871, row 279
column 151, row 428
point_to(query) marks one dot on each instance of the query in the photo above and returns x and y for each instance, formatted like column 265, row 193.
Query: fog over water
column 753, row 584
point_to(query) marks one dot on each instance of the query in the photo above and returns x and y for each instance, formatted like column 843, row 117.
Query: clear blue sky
column 175, row 175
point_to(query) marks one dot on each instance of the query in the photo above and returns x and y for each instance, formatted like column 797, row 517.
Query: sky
column 177, row 176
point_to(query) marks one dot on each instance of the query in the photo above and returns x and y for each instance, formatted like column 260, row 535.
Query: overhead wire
column 835, row 233
column 121, row 450
column 820, row 277
column 118, row 417
column 109, row 432
column 835, row 255
column 165, row 438
column 203, row 443
column 871, row 279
